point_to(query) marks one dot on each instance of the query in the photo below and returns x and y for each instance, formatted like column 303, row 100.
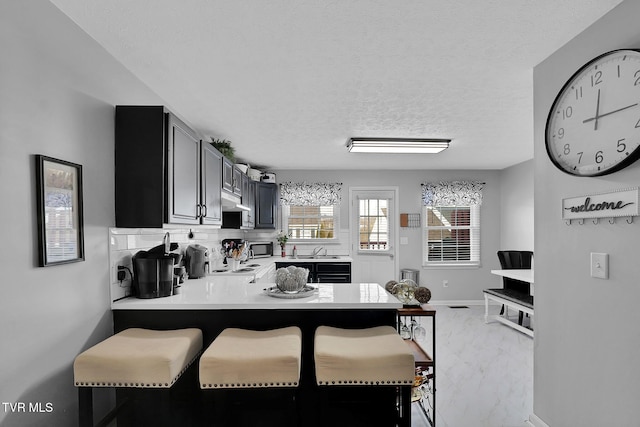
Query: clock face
column 593, row 127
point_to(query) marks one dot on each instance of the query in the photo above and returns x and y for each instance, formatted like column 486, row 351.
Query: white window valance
column 452, row 193
column 310, row 194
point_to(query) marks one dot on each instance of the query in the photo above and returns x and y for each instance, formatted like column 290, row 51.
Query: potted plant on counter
column 282, row 240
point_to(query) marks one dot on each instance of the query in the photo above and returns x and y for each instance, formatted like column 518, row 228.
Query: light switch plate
column 599, row 265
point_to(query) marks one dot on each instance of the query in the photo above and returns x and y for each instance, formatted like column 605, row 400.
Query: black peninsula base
column 317, row 406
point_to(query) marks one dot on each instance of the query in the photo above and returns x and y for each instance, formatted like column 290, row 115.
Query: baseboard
column 457, row 302
column 535, row 421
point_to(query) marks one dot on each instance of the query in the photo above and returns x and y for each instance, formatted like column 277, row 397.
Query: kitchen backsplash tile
column 124, row 243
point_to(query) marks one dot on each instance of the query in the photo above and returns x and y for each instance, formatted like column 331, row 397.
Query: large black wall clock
column 593, row 127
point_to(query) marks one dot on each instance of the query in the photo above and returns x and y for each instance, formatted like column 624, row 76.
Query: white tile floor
column 484, row 372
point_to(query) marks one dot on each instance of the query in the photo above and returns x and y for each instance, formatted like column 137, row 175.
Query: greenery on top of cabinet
column 224, row 147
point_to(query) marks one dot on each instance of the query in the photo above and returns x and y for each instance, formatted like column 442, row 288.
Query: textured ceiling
column 289, row 81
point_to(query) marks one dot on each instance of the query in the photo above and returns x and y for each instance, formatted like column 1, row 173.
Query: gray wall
column 57, row 91
column 464, row 284
column 516, row 207
column 587, row 337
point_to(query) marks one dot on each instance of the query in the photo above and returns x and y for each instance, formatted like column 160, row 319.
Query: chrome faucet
column 317, row 250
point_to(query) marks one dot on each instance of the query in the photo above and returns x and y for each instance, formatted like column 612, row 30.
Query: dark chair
column 512, row 260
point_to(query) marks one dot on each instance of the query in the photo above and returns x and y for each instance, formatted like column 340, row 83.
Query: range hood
column 232, row 203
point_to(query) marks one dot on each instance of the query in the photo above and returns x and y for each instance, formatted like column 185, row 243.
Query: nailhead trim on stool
column 134, row 358
column 240, row 358
column 138, row 357
column 370, row 356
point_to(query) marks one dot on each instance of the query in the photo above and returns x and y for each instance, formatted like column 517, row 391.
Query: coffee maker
column 152, row 274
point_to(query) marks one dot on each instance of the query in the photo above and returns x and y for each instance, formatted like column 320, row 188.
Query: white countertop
column 236, row 293
column 524, row 275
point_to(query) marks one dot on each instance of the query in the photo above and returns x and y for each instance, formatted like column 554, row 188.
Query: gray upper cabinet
column 237, row 181
column 227, row 175
column 211, row 185
column 164, row 174
column 183, row 191
column 266, row 205
column 249, row 200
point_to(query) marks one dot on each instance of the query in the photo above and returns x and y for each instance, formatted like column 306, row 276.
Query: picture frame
column 59, row 211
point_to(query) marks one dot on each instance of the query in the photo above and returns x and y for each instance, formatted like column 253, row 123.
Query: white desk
column 517, row 274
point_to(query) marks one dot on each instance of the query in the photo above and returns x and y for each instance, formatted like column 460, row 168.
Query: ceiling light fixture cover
column 397, row 145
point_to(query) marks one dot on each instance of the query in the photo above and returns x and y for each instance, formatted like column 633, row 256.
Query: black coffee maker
column 153, row 271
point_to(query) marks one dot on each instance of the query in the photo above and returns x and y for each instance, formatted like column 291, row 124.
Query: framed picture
column 60, row 220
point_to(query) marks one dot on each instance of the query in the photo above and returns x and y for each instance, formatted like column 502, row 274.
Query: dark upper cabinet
column 163, row 173
column 211, row 184
column 183, row 173
column 231, row 178
column 227, row 175
column 266, row 205
column 248, row 200
column 237, row 181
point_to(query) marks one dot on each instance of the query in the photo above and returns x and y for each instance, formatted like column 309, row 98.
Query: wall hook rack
column 596, row 221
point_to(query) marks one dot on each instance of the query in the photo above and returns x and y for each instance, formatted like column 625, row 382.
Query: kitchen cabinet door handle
column 205, row 211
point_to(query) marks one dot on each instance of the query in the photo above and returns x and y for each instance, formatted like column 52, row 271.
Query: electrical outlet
column 445, row 283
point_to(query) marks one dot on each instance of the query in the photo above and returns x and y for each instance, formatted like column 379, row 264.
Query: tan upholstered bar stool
column 376, row 360
column 252, row 360
column 134, row 358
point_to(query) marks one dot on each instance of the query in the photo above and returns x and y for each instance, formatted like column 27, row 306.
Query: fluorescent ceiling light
column 397, row 145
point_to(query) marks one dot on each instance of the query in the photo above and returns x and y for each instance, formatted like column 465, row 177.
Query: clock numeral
column 636, row 75
column 596, row 78
column 567, row 149
column 561, row 132
column 578, row 92
column 567, row 112
column 599, row 157
column 580, row 156
column 621, row 145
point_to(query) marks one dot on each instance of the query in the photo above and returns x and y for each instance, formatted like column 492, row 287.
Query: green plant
column 283, row 238
column 224, row 147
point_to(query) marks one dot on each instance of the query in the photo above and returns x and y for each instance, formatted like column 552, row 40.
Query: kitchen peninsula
column 214, row 303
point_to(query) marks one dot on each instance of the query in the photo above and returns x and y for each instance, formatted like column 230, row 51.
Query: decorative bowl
column 291, row 279
column 405, row 290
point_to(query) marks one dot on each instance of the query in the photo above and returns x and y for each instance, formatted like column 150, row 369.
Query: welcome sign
column 604, row 205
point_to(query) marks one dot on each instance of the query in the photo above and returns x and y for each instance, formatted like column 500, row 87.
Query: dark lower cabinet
column 323, row 272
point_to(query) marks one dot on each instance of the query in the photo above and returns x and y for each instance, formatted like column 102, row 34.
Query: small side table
column 425, row 359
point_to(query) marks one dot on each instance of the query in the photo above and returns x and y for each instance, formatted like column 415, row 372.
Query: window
column 452, row 236
column 374, row 224
column 310, row 222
